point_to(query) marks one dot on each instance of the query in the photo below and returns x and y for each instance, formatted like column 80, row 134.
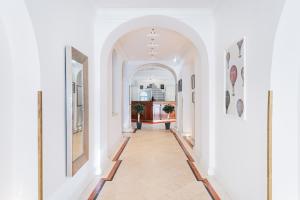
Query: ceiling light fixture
column 153, row 57
column 152, row 45
column 153, row 52
column 153, row 33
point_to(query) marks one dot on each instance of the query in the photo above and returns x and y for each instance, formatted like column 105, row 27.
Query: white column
column 126, row 104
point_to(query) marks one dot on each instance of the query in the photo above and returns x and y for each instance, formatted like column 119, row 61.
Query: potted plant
column 139, row 109
column 168, row 109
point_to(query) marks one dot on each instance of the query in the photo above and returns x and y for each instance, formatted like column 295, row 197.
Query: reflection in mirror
column 76, row 110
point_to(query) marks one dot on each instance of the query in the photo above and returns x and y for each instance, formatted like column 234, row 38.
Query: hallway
column 153, row 167
column 89, row 87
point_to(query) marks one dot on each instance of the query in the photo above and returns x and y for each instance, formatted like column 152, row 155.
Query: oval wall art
column 228, row 59
column 227, row 100
column 240, row 107
column 233, row 77
column 240, row 44
column 242, row 75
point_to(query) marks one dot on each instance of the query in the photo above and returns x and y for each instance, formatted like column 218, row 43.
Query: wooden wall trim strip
column 40, row 145
column 188, row 155
column 118, row 154
column 269, row 145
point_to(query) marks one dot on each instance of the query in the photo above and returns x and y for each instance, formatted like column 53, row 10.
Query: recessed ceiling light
column 175, row 60
column 152, row 45
column 153, row 33
column 153, row 52
column 153, row 57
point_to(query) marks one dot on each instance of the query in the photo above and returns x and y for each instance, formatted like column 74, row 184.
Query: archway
column 129, row 84
column 20, row 81
column 285, row 86
column 204, row 142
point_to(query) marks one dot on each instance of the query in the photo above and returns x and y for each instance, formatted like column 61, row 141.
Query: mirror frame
column 74, row 166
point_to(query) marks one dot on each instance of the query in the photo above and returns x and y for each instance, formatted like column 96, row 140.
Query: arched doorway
column 285, row 87
column 145, row 80
column 20, row 81
column 204, row 143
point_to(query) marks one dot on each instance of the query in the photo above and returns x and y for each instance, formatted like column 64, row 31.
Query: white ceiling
column 156, row 3
column 171, row 45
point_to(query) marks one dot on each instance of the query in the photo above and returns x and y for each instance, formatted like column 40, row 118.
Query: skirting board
column 221, row 192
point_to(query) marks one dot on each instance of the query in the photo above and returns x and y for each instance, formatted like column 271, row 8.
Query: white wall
column 241, row 146
column 57, row 24
column 186, row 123
column 115, row 116
column 19, row 84
column 285, row 85
column 6, row 117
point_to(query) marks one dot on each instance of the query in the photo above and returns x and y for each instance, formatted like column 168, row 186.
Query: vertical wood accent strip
column 40, row 145
column 269, row 141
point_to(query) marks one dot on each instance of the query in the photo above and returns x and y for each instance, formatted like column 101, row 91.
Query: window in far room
column 144, row 96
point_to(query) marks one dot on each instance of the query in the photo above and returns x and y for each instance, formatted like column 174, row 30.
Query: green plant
column 168, row 108
column 138, row 108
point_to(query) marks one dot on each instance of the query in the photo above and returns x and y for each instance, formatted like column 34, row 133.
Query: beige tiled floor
column 154, row 168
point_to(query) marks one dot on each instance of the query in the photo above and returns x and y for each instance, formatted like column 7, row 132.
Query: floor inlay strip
column 188, row 141
column 195, row 171
column 112, row 173
column 118, row 154
column 110, row 177
column 214, row 195
column 188, row 155
column 97, row 189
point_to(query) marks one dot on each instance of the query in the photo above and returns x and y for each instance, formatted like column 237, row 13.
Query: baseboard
column 75, row 186
column 186, row 133
column 201, row 168
column 218, row 187
column 128, row 130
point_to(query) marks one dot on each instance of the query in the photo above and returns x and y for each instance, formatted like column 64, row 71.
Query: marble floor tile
column 154, row 167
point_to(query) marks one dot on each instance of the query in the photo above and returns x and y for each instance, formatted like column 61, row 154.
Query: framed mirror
column 77, row 110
